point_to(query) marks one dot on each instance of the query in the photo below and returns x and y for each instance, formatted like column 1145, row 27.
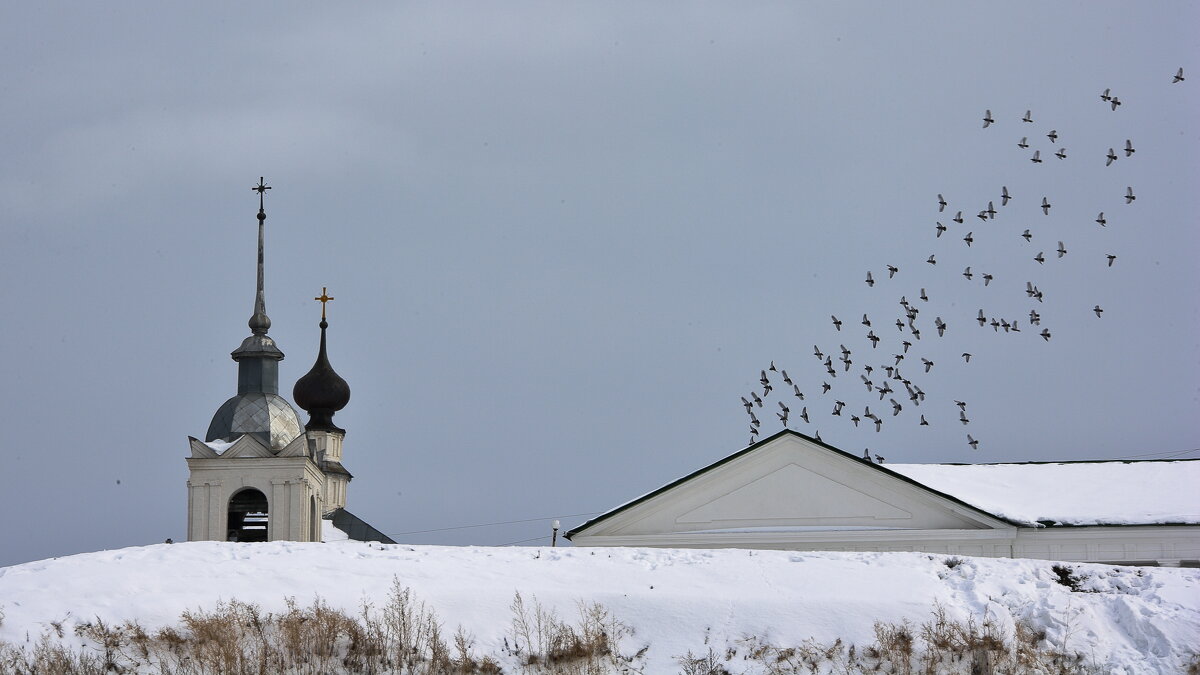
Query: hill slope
column 1131, row 620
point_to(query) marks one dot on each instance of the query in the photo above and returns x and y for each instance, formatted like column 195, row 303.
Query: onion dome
column 321, row 392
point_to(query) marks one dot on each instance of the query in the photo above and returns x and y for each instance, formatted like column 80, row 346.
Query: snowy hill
column 1130, row 620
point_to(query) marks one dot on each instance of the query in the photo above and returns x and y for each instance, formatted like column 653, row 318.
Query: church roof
column 1031, row 494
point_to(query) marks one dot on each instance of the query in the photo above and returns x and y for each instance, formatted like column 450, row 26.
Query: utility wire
column 1165, row 455
column 503, row 522
column 525, row 541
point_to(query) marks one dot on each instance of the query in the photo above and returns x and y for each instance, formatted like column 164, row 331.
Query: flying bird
column 924, row 423
column 1027, row 235
column 757, row 400
column 972, row 442
column 991, row 211
column 1129, row 196
column 966, row 357
column 1061, row 154
column 1111, row 259
column 1027, row 117
column 836, row 324
column 1037, row 157
column 804, row 414
column 1024, row 143
column 1111, row 157
column 969, row 239
column 987, row 119
column 906, row 344
column 1040, row 258
column 981, row 318
column 1053, row 135
column 1178, row 77
column 931, row 261
column 1034, row 317
column 748, row 405
column 923, row 296
column 940, row 325
column 962, row 417
column 1105, row 96
column 987, row 279
column 1045, row 334
column 1115, row 102
column 967, row 273
column 962, row 405
column 1100, row 219
column 892, row 269
column 1129, row 148
column 824, row 389
column 1045, row 206
column 773, row 368
column 896, row 407
column 873, row 338
column 817, row 352
column 1061, row 249
column 958, row 218
column 941, row 203
column 870, row 281
column 1098, row 311
column 866, row 322
column 940, row 229
column 982, row 215
column 783, row 419
column 1004, row 196
column 786, row 379
column 927, row 362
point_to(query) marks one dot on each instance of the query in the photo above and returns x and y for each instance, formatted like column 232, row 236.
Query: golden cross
column 325, row 297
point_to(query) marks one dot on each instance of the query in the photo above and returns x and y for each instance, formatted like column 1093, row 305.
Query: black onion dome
column 321, row 392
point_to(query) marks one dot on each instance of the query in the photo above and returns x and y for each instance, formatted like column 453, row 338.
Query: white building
column 792, row 492
column 259, row 475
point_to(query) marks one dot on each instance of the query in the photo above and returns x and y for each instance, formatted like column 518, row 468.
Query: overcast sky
column 564, row 238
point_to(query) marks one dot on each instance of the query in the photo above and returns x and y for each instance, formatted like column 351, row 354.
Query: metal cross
column 325, row 297
column 260, row 189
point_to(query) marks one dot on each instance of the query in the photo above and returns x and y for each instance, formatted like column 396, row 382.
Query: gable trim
column 785, row 432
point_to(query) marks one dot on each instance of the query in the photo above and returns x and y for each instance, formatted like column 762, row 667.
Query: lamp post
column 554, row 534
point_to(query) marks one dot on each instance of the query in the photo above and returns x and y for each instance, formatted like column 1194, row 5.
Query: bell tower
column 254, row 477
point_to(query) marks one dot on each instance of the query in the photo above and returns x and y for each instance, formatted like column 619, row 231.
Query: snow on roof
column 1071, row 493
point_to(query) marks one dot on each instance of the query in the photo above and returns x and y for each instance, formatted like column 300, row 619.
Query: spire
column 321, row 392
column 259, row 322
column 258, row 356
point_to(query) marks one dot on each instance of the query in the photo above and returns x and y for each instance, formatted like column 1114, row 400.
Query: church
column 259, row 475
column 793, row 492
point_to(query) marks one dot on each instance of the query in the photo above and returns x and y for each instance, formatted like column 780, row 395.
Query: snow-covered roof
column 1071, row 493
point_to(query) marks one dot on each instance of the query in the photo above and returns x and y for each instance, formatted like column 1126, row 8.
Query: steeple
column 257, row 409
column 258, row 357
column 321, row 392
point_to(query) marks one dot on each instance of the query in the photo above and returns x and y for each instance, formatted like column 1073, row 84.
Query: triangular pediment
column 247, row 446
column 297, row 448
column 789, row 483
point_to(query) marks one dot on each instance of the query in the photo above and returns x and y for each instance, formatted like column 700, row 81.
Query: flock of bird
column 896, row 374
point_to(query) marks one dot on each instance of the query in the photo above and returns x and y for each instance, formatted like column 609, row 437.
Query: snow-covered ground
column 1134, row 620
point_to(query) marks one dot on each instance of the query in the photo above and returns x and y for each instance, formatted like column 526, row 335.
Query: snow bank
column 1071, row 493
column 1137, row 620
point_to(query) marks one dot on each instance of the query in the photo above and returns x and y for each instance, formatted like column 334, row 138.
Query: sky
column 565, row 238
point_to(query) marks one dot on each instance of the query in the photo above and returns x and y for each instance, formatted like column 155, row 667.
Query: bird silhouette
column 836, row 324
column 1111, row 157
column 1129, row 148
column 1111, row 258
column 969, row 239
column 1061, row 250
column 892, row 269
column 967, row 273
column 987, row 279
column 966, row 357
column 1100, row 219
column 1061, row 154
column 927, row 362
column 941, row 203
column 870, row 281
column 1178, row 77
column 1053, row 135
column 799, row 394
column 940, row 229
column 940, row 325
column 962, row 417
column 817, row 352
column 804, row 414
column 987, row 119
column 924, row 422
column 931, row 260
column 1040, row 258
column 923, row 296
column 1028, row 237
column 748, row 405
column 1115, row 102
column 1105, row 96
column 981, row 318
column 1045, row 334
column 786, row 379
column 972, row 442
column 1098, row 311
column 1129, row 196
column 958, row 218
column 757, row 400
column 1027, row 117
column 1045, row 206
column 1024, row 144
column 866, row 322
column 1004, row 196
column 1037, row 157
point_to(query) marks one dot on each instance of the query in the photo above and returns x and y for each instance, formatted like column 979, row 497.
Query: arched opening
column 247, row 516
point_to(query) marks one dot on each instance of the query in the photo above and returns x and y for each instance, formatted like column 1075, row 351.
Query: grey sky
column 564, row 239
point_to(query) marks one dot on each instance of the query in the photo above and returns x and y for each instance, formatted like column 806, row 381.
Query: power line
column 1164, row 455
column 525, row 541
column 503, row 522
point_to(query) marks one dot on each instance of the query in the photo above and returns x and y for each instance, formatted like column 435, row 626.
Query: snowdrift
column 1131, row 620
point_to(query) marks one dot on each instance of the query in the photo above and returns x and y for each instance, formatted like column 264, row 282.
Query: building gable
column 788, row 483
